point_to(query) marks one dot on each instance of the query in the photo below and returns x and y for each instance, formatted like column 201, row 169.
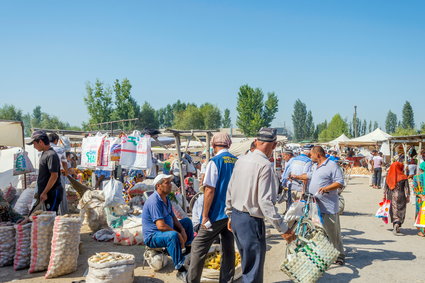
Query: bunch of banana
column 213, row 260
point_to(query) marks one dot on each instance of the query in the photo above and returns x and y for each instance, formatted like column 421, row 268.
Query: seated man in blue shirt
column 161, row 227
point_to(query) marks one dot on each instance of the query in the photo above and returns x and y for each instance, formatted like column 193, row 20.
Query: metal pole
column 179, row 156
column 23, row 146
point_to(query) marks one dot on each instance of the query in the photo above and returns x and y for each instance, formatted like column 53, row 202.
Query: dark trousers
column 376, row 179
column 201, row 245
column 250, row 234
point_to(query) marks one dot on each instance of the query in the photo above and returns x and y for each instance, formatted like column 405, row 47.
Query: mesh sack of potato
column 64, row 248
column 23, row 246
column 211, row 271
column 111, row 267
column 7, row 243
column 41, row 237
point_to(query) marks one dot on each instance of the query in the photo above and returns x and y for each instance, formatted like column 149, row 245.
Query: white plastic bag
column 23, row 204
column 21, row 163
column 136, row 151
column 113, row 193
column 113, row 271
column 7, row 243
column 90, row 151
column 23, row 246
column 64, row 248
column 41, row 236
column 295, row 211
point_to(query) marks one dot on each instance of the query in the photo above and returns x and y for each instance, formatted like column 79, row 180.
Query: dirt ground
column 373, row 252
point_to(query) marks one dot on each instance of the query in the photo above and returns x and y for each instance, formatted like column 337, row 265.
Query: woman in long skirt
column 419, row 189
column 397, row 191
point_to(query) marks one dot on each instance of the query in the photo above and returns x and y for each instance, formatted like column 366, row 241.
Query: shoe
column 182, row 276
column 340, row 262
column 396, row 229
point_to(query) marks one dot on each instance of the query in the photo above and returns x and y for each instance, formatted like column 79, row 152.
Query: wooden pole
column 179, row 156
column 208, row 139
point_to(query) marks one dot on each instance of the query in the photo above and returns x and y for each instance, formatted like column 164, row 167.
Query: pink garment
column 377, row 161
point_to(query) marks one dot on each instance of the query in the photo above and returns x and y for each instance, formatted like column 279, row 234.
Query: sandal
column 421, row 234
column 340, row 262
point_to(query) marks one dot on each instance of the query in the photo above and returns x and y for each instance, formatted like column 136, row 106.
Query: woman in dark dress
column 398, row 192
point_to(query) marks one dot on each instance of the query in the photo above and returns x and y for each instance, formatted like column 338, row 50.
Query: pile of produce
column 109, row 257
column 213, row 260
column 360, row 171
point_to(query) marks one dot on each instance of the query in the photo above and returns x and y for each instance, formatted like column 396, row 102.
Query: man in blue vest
column 213, row 218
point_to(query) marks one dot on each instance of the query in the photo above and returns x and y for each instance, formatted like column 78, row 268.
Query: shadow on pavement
column 147, row 279
column 350, row 213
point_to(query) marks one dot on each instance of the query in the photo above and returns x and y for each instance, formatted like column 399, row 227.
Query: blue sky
column 330, row 54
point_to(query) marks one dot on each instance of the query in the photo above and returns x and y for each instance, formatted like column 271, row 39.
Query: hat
column 308, row 147
column 267, row 135
column 288, row 151
column 36, row 136
column 221, row 139
column 158, row 179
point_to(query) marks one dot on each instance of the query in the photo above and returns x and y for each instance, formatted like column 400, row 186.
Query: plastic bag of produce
column 91, row 205
column 110, row 268
column 113, row 193
column 23, row 204
column 7, row 243
column 41, row 236
column 64, row 248
column 23, row 246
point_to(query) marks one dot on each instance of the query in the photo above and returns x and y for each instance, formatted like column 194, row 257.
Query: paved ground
column 373, row 252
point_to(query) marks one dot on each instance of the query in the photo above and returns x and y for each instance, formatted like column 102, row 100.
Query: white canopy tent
column 376, row 137
column 341, row 138
column 11, row 133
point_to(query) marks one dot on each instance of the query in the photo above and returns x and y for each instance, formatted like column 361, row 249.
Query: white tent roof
column 11, row 133
column 341, row 138
column 374, row 137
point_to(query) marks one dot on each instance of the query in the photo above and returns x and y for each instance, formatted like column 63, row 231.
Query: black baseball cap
column 37, row 135
column 267, row 135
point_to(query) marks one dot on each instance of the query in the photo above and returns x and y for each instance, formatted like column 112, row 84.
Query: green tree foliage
column 126, row 106
column 364, row 127
column 400, row 131
column 408, row 121
column 370, row 126
column 319, row 128
column 337, row 126
column 147, row 117
column 422, row 128
column 10, row 112
column 253, row 113
column 166, row 114
column 299, row 119
column 99, row 103
column 391, row 122
column 375, row 125
column 309, row 127
column 190, row 118
column 211, row 116
column 270, row 109
column 227, row 122
column 36, row 117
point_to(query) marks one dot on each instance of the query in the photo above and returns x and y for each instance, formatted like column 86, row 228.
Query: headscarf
column 395, row 175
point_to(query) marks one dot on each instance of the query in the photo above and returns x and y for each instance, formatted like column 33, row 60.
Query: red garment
column 395, row 175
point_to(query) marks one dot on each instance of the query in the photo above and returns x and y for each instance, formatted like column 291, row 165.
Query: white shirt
column 211, row 172
column 197, row 210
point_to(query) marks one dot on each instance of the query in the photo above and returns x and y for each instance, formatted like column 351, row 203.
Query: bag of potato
column 211, row 271
column 110, row 268
column 41, row 237
column 64, row 248
column 23, row 246
column 7, row 243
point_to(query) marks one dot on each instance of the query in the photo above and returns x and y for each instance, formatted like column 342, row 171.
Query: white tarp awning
column 339, row 139
column 377, row 136
column 11, row 133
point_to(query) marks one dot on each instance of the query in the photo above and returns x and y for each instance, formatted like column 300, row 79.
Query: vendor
column 8, row 214
column 161, row 227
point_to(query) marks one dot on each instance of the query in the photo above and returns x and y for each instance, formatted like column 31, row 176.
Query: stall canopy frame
column 407, row 142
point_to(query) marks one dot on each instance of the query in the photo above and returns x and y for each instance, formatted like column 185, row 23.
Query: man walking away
column 214, row 219
column 49, row 186
column 251, row 197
